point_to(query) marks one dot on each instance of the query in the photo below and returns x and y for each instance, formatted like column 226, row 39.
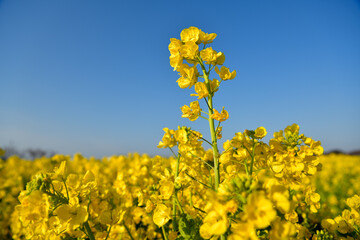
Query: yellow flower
column 117, row 215
column 34, row 207
column 329, row 224
column 183, row 82
column 242, row 231
column 278, row 194
column 213, row 226
column 220, row 59
column 195, row 106
column 188, row 77
column 226, row 155
column 181, row 135
column 209, row 55
column 137, row 214
column 88, row 178
column 259, row 210
column 73, row 216
column 60, row 172
column 168, row 139
column 206, row 37
column 317, row 148
column 214, row 85
column 201, row 90
column 219, row 133
column 240, row 154
column 149, row 206
column 260, row 132
column 282, row 230
column 231, row 206
column 187, row 113
column 224, row 115
column 176, row 61
column 192, row 112
column 190, row 34
column 215, row 222
column 354, row 202
column 189, row 50
column 292, row 130
column 174, row 46
column 312, row 198
column 224, row 73
column 161, row 215
column 166, row 189
column 342, row 225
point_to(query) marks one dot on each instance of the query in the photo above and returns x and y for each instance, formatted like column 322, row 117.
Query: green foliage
column 189, row 227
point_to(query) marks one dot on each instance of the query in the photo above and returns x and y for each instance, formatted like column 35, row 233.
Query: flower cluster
column 140, row 191
column 249, row 190
column 339, row 180
column 90, row 199
column 252, row 189
column 185, row 57
column 347, row 225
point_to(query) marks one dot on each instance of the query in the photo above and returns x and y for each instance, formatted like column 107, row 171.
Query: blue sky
column 94, row 76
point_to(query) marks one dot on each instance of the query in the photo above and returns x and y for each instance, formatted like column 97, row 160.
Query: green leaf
column 189, row 227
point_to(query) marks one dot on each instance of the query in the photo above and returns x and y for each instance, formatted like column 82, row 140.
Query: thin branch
column 205, row 112
column 108, row 233
column 208, row 104
column 206, row 141
column 201, row 159
column 164, row 233
column 197, row 180
column 128, row 231
column 199, row 209
column 173, row 152
column 204, row 117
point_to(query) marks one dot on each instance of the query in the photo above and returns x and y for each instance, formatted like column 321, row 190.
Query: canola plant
column 281, row 189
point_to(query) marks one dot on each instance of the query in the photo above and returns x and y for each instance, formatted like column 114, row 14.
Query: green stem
column 245, row 161
column 174, row 215
column 174, row 196
column 177, row 166
column 179, row 205
column 108, row 233
column 212, row 128
column 191, row 202
column 246, row 167
column 89, row 233
column 128, row 231
column 252, row 158
column 67, row 192
column 164, row 233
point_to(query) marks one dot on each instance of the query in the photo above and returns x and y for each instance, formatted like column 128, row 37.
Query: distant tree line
column 337, row 151
column 30, row 153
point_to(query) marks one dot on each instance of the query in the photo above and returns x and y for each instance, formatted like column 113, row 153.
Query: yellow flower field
column 248, row 189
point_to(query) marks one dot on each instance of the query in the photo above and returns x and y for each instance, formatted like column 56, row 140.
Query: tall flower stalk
column 185, row 58
column 215, row 149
